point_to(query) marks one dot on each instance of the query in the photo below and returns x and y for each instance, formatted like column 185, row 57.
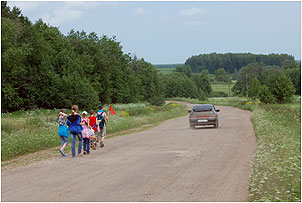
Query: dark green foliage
column 247, row 73
column 265, row 95
column 232, row 62
column 184, row 69
column 179, row 85
column 275, row 80
column 221, row 75
column 293, row 70
column 41, row 68
column 157, row 101
column 254, row 88
column 281, row 87
column 202, row 82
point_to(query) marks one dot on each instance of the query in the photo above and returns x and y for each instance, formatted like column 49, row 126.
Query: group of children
column 89, row 130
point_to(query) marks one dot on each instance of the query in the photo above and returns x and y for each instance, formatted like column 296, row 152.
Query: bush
column 282, row 88
column 157, row 101
column 266, row 96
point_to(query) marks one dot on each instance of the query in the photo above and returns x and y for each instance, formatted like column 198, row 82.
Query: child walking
column 63, row 132
column 75, row 128
column 102, row 117
column 85, row 133
column 93, row 123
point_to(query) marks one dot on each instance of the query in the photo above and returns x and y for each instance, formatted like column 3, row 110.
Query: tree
column 202, row 82
column 179, row 85
column 42, row 68
column 234, row 61
column 186, row 69
column 221, row 75
column 265, row 95
column 254, row 88
column 281, row 87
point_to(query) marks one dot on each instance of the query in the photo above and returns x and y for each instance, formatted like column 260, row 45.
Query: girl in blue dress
column 63, row 132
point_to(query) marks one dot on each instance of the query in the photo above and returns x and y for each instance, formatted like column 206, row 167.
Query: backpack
column 101, row 119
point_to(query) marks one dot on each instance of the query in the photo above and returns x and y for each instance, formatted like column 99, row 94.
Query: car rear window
column 202, row 109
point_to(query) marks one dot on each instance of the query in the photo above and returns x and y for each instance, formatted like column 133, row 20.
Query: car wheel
column 192, row 126
column 216, row 124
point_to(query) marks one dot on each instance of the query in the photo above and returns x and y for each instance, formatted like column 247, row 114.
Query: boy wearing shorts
column 102, row 118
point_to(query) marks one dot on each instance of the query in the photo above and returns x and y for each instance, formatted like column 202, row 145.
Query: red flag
column 111, row 110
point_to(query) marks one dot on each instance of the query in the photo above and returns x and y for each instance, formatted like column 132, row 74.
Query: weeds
column 276, row 173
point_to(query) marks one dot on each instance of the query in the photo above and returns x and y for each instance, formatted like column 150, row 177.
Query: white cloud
column 70, row 11
column 25, row 6
column 192, row 12
column 140, row 10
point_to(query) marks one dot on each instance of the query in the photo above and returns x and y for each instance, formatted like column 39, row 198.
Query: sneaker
column 102, row 144
column 62, row 153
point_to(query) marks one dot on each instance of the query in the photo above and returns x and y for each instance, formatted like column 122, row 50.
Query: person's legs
column 64, row 141
column 88, row 146
column 62, row 146
column 103, row 135
column 84, row 144
column 73, row 138
column 80, row 142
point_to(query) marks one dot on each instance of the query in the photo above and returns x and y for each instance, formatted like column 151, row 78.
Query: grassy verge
column 25, row 132
column 276, row 174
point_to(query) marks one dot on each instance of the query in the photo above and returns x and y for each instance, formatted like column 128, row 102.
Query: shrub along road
column 169, row 162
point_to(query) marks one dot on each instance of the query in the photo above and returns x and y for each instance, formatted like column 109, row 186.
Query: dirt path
column 169, row 162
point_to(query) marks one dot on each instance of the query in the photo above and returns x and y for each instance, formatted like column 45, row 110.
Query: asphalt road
column 169, row 162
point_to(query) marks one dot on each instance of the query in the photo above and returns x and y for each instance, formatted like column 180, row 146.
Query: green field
column 223, row 87
column 25, row 132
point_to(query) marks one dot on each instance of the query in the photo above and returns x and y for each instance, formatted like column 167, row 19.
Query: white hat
column 84, row 112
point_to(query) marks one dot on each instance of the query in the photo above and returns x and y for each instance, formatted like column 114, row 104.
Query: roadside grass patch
column 30, row 131
column 276, row 173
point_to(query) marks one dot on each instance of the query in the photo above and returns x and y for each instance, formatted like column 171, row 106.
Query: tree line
column 42, row 68
column 233, row 62
column 269, row 84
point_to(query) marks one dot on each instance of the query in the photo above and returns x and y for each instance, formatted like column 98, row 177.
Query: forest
column 42, row 68
column 233, row 62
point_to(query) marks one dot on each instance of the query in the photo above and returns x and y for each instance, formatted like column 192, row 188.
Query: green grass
column 30, row 131
column 277, row 169
column 222, row 87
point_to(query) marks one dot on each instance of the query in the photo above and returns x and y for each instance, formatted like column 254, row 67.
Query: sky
column 171, row 32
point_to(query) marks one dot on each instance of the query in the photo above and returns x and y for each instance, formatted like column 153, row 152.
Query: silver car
column 203, row 114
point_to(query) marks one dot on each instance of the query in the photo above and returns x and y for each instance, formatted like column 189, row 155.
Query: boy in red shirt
column 93, row 124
